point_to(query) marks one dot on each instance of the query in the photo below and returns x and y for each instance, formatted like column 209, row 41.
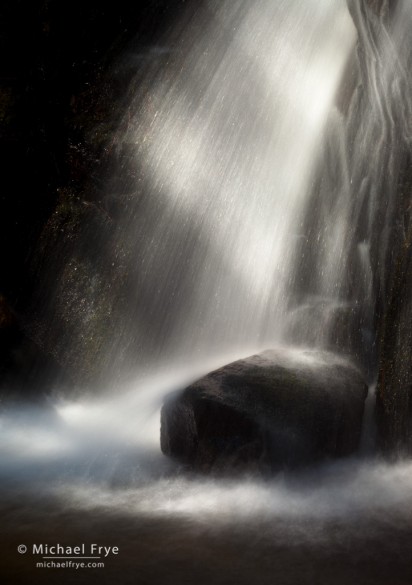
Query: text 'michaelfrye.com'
column 82, row 556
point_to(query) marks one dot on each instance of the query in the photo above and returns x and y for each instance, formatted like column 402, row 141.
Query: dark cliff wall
column 85, row 308
column 56, row 58
column 388, row 24
column 61, row 83
column 394, row 395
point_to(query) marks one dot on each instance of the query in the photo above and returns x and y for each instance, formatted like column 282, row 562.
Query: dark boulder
column 272, row 410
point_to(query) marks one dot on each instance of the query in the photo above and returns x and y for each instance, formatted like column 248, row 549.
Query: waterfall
column 227, row 138
column 216, row 156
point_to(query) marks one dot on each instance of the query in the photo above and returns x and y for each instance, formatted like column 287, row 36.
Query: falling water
column 227, row 138
column 217, row 152
column 349, row 233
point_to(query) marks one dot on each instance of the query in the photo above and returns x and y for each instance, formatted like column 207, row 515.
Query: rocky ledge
column 278, row 409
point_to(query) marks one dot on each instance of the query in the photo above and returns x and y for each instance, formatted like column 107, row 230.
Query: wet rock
column 273, row 410
column 394, row 392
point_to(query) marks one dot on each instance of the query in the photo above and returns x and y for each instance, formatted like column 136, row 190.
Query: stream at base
column 348, row 522
column 91, row 471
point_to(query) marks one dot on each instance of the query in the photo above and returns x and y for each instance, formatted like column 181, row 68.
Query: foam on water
column 93, row 457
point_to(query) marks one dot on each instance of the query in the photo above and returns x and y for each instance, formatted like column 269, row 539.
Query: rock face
column 26, row 372
column 272, row 410
column 394, row 392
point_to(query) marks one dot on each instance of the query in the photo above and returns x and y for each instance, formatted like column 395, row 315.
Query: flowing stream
column 247, row 213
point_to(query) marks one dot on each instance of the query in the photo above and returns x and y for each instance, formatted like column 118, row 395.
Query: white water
column 79, row 455
column 225, row 139
column 223, row 135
